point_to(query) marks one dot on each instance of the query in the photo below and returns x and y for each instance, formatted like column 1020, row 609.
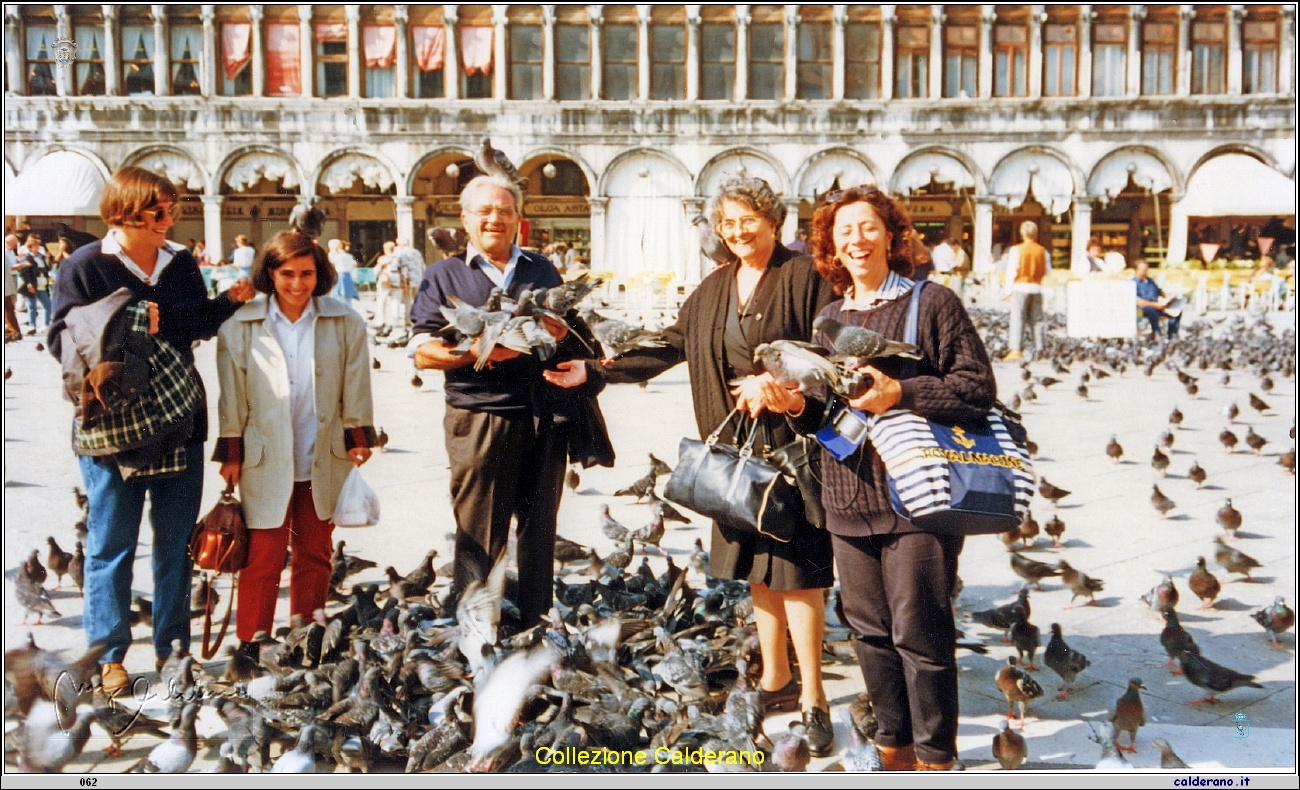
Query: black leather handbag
column 734, row 487
column 801, row 459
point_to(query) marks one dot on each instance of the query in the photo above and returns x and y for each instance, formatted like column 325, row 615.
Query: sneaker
column 784, row 701
column 1012, row 356
column 114, row 678
column 821, row 734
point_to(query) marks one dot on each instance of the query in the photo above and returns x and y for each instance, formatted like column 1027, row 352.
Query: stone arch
column 261, row 161
column 815, row 176
column 373, row 168
column 560, row 153
column 753, row 161
column 644, row 228
column 45, row 150
column 1054, row 178
column 1235, row 148
column 948, row 165
column 1150, row 169
column 425, row 158
column 176, row 164
column 666, row 169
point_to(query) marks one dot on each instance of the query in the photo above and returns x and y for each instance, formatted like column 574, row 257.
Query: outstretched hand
column 884, row 394
column 241, row 291
column 567, row 374
column 754, row 394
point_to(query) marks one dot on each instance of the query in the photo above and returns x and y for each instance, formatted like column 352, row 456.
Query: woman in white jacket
column 296, row 416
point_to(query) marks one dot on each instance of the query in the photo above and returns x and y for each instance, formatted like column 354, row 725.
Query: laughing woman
column 296, row 416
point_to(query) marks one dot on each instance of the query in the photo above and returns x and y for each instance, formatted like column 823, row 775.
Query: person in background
column 13, row 331
column 242, row 256
column 344, row 265
column 1152, row 302
column 558, row 256
column 800, row 243
column 33, row 271
column 388, row 286
column 950, row 260
column 1026, row 290
column 922, row 259
column 1095, row 259
column 570, row 255
column 200, row 252
column 412, row 266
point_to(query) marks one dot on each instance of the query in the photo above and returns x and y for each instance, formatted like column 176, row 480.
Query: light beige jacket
column 254, row 405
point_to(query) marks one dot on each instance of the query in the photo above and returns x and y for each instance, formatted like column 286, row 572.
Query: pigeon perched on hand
column 711, row 244
column 796, row 365
column 617, row 338
column 862, row 343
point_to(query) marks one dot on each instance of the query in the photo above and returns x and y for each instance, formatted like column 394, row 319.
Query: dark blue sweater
column 185, row 313
column 506, row 387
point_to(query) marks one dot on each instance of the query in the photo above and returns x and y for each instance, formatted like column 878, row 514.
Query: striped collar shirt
column 894, row 286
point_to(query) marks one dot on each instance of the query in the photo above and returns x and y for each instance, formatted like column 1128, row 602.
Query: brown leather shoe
column 821, row 733
column 898, row 758
column 785, row 700
column 924, row 766
column 114, row 678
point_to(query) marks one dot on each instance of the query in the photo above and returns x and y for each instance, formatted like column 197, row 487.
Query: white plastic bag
column 358, row 506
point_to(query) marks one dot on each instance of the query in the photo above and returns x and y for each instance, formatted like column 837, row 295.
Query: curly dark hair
column 283, row 247
column 822, row 237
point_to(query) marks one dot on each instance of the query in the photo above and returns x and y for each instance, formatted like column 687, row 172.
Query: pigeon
column 861, row 755
column 1203, row 584
column 1192, row 389
column 34, row 569
column 57, row 560
column 176, row 754
column 1231, row 411
column 1257, row 403
column 681, row 669
column 1229, row 519
column 1254, row 441
column 301, row 759
column 651, row 533
column 1048, row 491
column 1175, row 639
column 416, row 381
column 1275, row 619
column 1026, row 638
column 572, row 479
column 659, row 467
column 1204, row 673
column 374, row 365
column 1055, row 529
column 142, row 614
column 560, row 299
column 1003, row 617
column 1266, row 384
column 1163, row 596
column 699, row 561
column 791, row 752
column 121, row 723
column 1032, row 571
column 641, row 488
column 611, row 528
column 500, row 697
column 1009, row 748
column 491, row 162
column 1031, row 447
column 1196, row 474
column 1080, row 584
column 1011, row 537
column 1176, row 417
column 1232, row 560
column 1112, row 758
column 381, row 441
column 861, row 343
column 711, row 244
column 1047, row 381
column 1018, row 688
column 1160, row 461
column 1064, row 661
column 1167, row 439
column 1082, row 391
column 33, row 598
column 1228, row 439
column 308, row 218
column 443, row 239
column 478, row 613
column 617, row 338
column 796, row 365
column 669, row 512
column 1160, row 502
column 77, row 568
column 1168, row 760
column 1114, row 450
column 44, row 743
column 1129, row 714
column 1225, row 380
column 1028, row 531
column 1287, row 461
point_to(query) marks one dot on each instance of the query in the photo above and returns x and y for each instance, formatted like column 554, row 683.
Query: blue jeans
column 44, row 300
column 1153, row 316
column 116, row 507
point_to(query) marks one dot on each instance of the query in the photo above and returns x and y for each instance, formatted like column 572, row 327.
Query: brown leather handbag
column 219, row 543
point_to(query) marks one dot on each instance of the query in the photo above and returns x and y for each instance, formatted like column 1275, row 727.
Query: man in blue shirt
column 1152, row 302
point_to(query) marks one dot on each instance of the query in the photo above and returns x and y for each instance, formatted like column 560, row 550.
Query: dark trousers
column 1152, row 316
column 896, row 593
column 503, row 467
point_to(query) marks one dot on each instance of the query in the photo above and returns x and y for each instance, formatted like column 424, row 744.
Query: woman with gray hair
column 769, row 294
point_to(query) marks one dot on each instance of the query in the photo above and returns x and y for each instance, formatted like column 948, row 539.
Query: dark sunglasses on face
column 159, row 214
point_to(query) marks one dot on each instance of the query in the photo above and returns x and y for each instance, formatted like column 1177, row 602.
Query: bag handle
column 717, row 433
column 210, row 648
column 909, row 331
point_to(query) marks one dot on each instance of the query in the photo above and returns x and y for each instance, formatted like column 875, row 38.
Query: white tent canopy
column 834, row 167
column 59, row 184
column 1046, row 176
column 917, row 172
column 1111, row 176
column 1238, row 185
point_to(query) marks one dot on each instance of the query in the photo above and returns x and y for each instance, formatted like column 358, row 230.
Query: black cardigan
column 786, row 301
column 185, row 313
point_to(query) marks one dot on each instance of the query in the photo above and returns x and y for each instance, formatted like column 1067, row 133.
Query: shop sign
column 557, row 207
column 243, row 209
column 930, row 208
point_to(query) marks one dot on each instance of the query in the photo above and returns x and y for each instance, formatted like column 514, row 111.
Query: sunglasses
column 159, row 214
column 831, row 197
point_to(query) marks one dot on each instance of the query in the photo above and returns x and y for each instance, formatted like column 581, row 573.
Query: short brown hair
column 130, row 193
column 822, row 238
column 285, row 246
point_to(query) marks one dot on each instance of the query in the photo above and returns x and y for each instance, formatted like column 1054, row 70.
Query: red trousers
column 259, row 581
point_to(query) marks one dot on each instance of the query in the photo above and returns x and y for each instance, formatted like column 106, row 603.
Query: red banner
column 430, row 44
column 235, row 47
column 283, row 60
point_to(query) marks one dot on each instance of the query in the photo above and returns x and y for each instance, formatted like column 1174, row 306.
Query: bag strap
column 909, row 331
column 713, row 437
column 210, row 648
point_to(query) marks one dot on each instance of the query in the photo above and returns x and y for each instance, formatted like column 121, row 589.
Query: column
column 402, row 64
column 1286, row 52
column 693, row 52
column 936, row 51
column 63, row 75
column 14, row 50
column 742, row 53
column 839, row 18
column 451, row 70
column 887, row 21
column 1135, row 16
column 643, row 52
column 405, row 217
column 112, row 59
column 500, row 68
column 596, row 15
column 1235, row 13
column 692, row 206
column 791, row 226
column 548, row 52
column 983, row 231
column 161, row 45
column 1084, row 87
column 353, row 14
column 791, row 52
column 257, row 49
column 988, row 18
column 1176, row 252
column 208, row 65
column 212, row 226
column 1183, row 80
column 1080, row 232
column 1036, row 17
column 598, row 206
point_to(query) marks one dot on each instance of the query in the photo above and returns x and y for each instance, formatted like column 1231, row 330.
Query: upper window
column 1059, row 47
column 619, row 45
column 814, row 60
column 525, row 61
column 1259, row 57
column 137, row 60
column 1159, row 40
column 379, row 45
column 284, row 61
column 668, row 62
column 476, row 57
column 1208, row 63
column 236, row 50
column 90, row 66
column 568, row 180
column 1010, row 56
column 717, row 60
column 862, row 60
column 912, row 69
column 1108, row 59
column 331, row 59
column 767, row 61
column 428, row 55
column 186, row 49
column 572, row 62
column 961, row 61
column 40, row 61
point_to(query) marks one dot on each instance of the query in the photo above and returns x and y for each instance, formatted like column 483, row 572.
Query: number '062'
column 89, row 781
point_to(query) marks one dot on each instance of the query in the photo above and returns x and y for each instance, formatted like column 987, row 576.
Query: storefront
column 1236, row 208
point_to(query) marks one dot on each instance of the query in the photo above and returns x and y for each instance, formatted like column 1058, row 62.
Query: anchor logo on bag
column 959, row 436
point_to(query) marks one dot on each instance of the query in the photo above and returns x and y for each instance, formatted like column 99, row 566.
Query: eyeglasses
column 160, row 213
column 747, row 224
column 503, row 212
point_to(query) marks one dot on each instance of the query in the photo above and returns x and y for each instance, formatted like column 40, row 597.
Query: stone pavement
column 1112, row 534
